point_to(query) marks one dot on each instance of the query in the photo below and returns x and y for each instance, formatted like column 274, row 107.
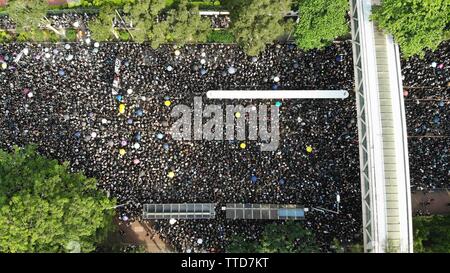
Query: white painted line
column 277, row 94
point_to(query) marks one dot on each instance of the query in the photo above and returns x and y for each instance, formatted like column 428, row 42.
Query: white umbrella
column 172, row 221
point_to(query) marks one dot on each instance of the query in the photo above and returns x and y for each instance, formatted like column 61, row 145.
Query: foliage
column 239, row 245
column 4, row 36
column 102, row 28
column 182, row 24
column 221, row 36
column 71, row 34
column 416, row 25
column 432, row 234
column 321, row 22
column 144, row 15
column 44, row 208
column 186, row 25
column 255, row 23
column 124, row 36
column 288, row 237
column 98, row 3
column 26, row 14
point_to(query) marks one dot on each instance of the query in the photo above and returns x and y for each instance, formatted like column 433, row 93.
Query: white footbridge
column 385, row 184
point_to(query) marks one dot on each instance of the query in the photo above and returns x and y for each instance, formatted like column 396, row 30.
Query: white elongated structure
column 277, row 94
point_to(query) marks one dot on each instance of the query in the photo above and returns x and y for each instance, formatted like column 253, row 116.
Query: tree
column 432, row 234
column 238, row 244
column 44, row 208
column 102, row 28
column 288, row 237
column 26, row 14
column 146, row 25
column 186, row 25
column 256, row 23
column 416, row 25
column 321, row 22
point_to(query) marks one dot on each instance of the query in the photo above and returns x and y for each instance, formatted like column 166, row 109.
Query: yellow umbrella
column 4, row 65
column 122, row 108
column 309, row 149
column 238, row 115
column 243, row 145
column 122, row 152
column 171, row 174
column 167, row 103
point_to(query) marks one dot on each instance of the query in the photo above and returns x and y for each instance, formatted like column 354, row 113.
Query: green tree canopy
column 416, row 25
column 186, row 24
column 102, row 28
column 288, row 237
column 321, row 21
column 26, row 14
column 256, row 23
column 181, row 24
column 432, row 234
column 44, row 208
column 146, row 26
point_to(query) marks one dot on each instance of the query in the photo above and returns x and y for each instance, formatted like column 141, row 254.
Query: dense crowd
column 62, row 98
column 112, row 121
column 427, row 101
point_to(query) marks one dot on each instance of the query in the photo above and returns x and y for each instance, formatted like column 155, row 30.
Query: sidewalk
column 431, row 203
column 138, row 233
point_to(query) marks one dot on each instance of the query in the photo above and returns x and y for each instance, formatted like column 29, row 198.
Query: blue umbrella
column 130, row 121
column 159, row 136
column 436, row 119
column 138, row 136
column 441, row 104
column 119, row 98
column 254, row 178
column 139, row 112
column 278, row 103
column 166, row 146
column 274, row 86
column 339, row 58
column 77, row 134
column 203, row 72
column 281, row 181
column 61, row 72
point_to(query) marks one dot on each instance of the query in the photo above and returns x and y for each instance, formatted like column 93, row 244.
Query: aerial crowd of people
column 106, row 109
